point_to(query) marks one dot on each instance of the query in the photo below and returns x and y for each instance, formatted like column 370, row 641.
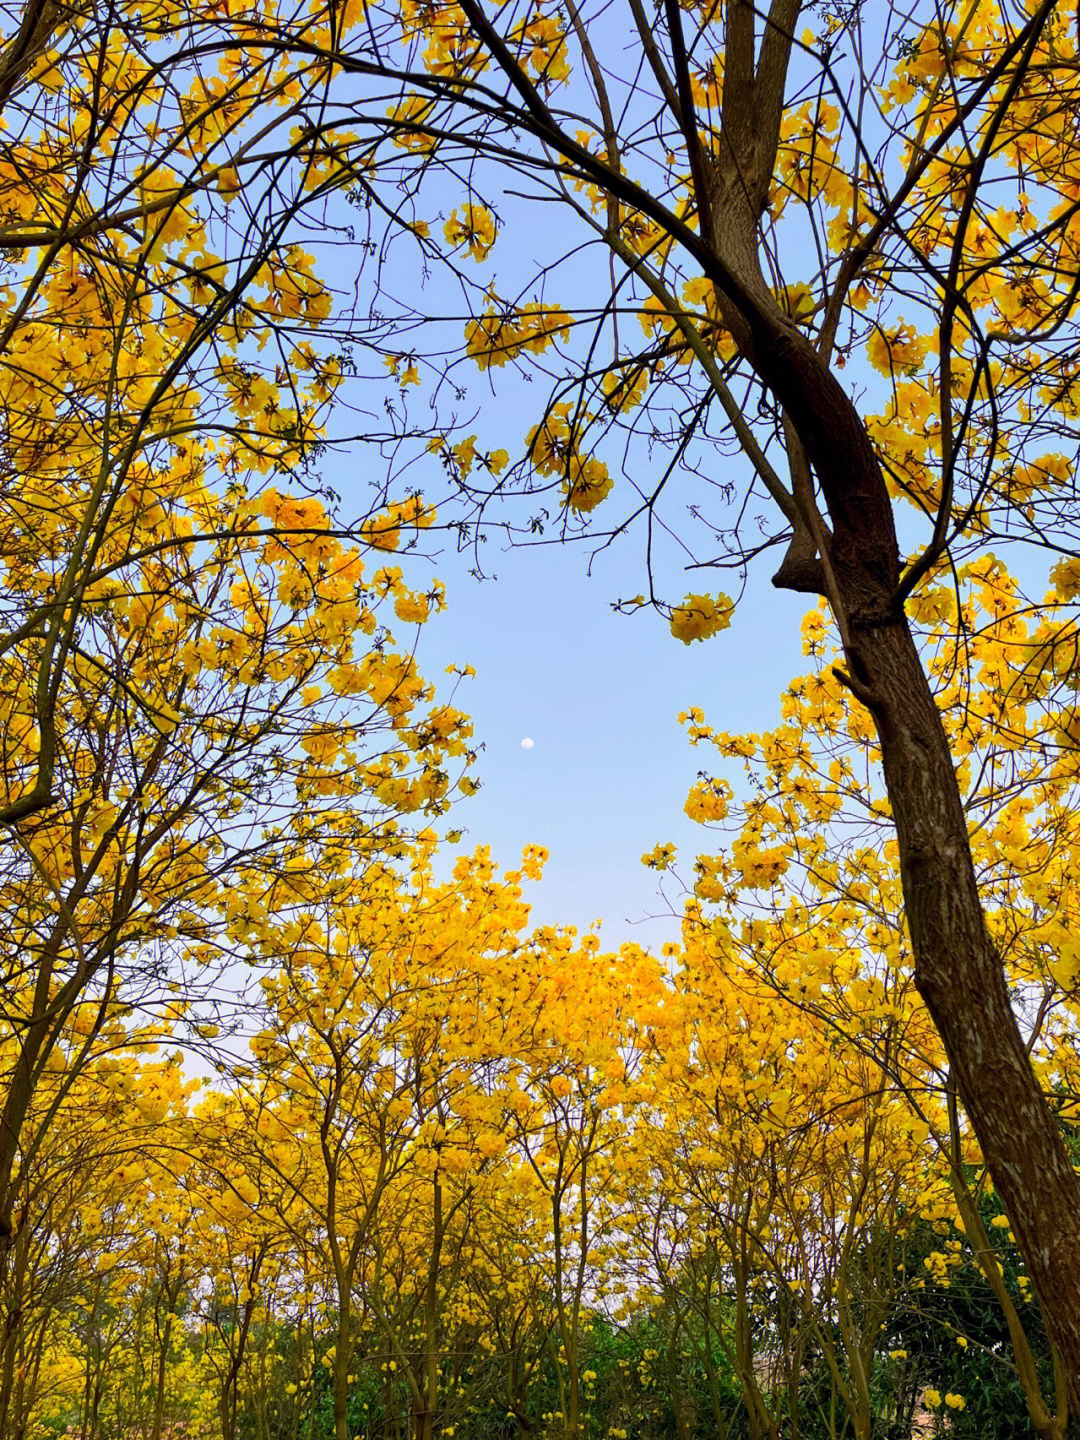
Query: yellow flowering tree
column 809, row 889
column 856, row 287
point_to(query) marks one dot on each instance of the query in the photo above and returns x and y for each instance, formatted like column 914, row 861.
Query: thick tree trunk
column 960, row 977
column 957, row 970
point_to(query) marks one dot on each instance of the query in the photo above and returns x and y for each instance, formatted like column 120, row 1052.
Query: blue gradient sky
column 599, row 694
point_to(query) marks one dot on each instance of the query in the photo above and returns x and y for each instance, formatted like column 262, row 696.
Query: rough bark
column 960, row 977
column 956, row 967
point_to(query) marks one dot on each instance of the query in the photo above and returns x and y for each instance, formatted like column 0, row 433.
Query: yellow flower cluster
column 708, row 801
column 700, row 616
column 543, row 47
column 625, row 389
column 934, row 1397
column 553, row 449
column 473, row 227
column 383, row 531
column 898, row 350
column 660, row 857
column 498, row 336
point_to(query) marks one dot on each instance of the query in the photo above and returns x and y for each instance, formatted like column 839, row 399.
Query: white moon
column 526, row 744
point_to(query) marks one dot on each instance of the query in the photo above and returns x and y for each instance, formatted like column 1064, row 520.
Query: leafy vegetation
column 304, row 1131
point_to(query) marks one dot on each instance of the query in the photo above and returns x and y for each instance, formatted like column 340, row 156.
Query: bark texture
column 957, row 969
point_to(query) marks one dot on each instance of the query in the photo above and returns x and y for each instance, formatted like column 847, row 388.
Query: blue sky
column 599, row 694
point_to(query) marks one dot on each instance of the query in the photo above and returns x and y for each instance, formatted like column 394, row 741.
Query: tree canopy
column 712, row 279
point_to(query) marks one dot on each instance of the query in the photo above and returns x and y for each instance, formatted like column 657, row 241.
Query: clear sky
column 598, row 693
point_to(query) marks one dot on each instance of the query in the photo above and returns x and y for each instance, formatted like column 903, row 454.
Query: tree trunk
column 7, row 1361
column 957, row 970
column 424, row 1420
column 342, row 1356
column 960, row 977
column 956, row 967
column 162, row 1372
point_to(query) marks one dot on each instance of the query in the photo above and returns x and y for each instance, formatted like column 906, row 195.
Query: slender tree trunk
column 95, row 1407
column 162, row 1368
column 424, row 1423
column 230, row 1394
column 719, row 1418
column 34, row 1369
column 342, row 1353
column 38, row 1036
column 681, row 1405
column 7, row 1363
column 20, row 1403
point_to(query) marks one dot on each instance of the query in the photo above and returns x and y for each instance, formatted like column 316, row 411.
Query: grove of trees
column 303, row 1130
